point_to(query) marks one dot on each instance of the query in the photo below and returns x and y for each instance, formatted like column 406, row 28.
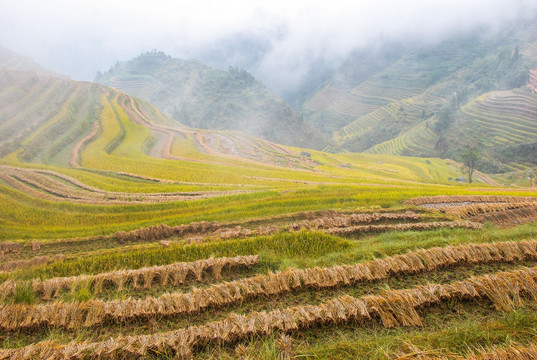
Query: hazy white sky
column 80, row 37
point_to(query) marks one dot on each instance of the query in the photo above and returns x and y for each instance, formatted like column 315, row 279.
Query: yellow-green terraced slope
column 504, row 117
column 96, row 161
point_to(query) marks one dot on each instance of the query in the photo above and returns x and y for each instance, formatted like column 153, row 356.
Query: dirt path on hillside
column 75, row 155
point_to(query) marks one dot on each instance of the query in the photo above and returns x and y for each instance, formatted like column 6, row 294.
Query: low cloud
column 278, row 41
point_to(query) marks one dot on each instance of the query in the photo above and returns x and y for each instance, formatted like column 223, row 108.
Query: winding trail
column 75, row 155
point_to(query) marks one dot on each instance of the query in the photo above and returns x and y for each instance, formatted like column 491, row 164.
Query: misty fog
column 278, row 41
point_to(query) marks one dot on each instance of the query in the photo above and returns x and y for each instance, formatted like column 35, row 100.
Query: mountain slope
column 201, row 97
column 418, row 103
column 59, row 122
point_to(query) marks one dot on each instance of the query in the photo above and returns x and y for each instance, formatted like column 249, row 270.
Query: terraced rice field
column 140, row 87
column 285, row 295
column 396, row 87
column 125, row 235
column 395, row 98
column 50, row 185
column 420, row 139
column 367, row 122
column 506, row 117
column 324, row 99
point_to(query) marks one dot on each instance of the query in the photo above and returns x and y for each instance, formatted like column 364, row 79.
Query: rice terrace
column 385, row 207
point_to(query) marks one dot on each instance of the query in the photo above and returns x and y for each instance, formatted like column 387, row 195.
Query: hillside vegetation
column 202, row 97
column 434, row 100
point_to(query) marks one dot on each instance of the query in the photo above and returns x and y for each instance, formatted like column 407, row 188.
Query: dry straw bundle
column 522, row 214
column 410, row 351
column 513, row 352
column 72, row 315
column 404, row 227
column 339, row 221
column 239, row 232
column 172, row 274
column 322, row 220
column 159, row 232
column 236, row 232
column 467, row 211
column 393, row 308
column 468, row 199
column 10, row 247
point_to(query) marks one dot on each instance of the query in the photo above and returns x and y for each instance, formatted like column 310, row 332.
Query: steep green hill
column 202, row 97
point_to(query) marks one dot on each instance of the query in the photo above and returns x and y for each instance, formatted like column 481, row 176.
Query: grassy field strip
column 136, row 183
column 203, row 232
column 42, row 184
column 394, row 308
column 325, row 220
column 95, row 312
column 340, row 224
column 300, row 244
column 24, row 211
column 144, row 278
column 206, row 231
